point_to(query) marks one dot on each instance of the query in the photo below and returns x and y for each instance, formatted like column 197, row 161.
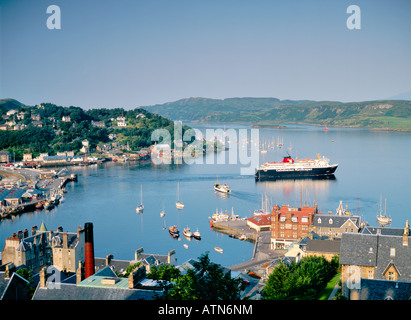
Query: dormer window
column 392, row 252
column 319, row 220
column 330, row 221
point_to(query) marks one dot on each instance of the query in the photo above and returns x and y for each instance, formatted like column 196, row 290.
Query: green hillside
column 8, row 104
column 378, row 114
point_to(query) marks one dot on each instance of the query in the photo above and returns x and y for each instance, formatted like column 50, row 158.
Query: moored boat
column 218, row 249
column 197, row 235
column 383, row 219
column 179, row 204
column 174, row 231
column 140, row 207
column 187, row 232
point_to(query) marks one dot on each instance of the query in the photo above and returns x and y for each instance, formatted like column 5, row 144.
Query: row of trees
column 302, row 280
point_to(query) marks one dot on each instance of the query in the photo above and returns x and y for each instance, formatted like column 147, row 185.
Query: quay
column 253, row 270
column 25, row 188
column 262, row 254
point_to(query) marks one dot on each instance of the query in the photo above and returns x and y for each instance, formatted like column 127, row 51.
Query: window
column 330, row 221
column 294, row 219
column 391, row 275
column 319, row 220
column 392, row 252
column 370, row 274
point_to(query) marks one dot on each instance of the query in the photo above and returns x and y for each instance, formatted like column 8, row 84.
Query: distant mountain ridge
column 379, row 114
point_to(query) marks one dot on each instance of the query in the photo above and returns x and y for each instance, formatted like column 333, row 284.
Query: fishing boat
column 48, row 205
column 174, row 231
column 39, row 205
column 179, row 204
column 383, row 219
column 197, row 235
column 218, row 249
column 187, row 232
column 220, row 216
column 140, row 208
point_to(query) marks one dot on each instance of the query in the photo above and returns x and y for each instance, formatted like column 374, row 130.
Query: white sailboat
column 162, row 213
column 383, row 219
column 140, row 208
column 179, row 204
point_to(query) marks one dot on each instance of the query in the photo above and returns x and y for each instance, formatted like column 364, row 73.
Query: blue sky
column 132, row 53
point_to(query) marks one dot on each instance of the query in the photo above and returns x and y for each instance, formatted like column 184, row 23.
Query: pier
column 262, row 254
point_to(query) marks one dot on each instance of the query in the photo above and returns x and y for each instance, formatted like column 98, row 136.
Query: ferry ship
column 290, row 168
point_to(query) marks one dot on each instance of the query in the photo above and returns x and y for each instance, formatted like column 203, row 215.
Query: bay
column 372, row 165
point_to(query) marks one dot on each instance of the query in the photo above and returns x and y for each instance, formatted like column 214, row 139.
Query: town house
column 290, row 224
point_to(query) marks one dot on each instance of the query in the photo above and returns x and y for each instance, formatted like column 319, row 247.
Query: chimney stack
column 10, row 269
column 108, row 259
column 89, row 250
column 43, row 278
column 65, row 240
column 171, row 258
column 137, row 254
column 405, row 235
column 79, row 273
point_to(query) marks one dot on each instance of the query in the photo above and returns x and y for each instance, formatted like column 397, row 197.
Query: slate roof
column 374, row 250
column 334, row 221
column 75, row 292
column 118, row 265
column 372, row 289
column 92, row 289
column 324, row 246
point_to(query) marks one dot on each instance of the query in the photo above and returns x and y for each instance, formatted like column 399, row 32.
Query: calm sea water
column 372, row 165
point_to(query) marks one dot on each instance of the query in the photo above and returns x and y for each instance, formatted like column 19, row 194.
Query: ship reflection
column 320, row 185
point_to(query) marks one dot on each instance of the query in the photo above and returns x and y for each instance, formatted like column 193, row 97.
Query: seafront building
column 290, row 224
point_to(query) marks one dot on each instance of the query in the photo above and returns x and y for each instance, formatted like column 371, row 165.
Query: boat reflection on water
column 319, row 185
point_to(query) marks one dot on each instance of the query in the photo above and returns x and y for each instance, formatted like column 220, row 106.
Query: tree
column 302, row 280
column 205, row 281
column 26, row 274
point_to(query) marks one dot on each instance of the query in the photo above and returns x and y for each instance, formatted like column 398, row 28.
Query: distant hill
column 9, row 104
column 381, row 114
column 401, row 96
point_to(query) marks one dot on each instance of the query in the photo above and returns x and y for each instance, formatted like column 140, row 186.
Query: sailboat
column 140, row 208
column 383, row 219
column 162, row 213
column 179, row 204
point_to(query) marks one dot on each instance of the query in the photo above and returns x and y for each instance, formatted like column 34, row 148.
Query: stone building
column 333, row 225
column 377, row 253
column 43, row 248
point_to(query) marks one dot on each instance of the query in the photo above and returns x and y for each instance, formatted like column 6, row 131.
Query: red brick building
column 290, row 224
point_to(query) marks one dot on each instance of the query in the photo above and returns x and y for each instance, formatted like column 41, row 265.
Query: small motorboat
column 197, row 235
column 222, row 188
column 187, row 232
column 218, row 249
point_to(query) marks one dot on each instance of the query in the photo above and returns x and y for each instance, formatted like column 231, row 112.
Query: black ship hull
column 273, row 174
